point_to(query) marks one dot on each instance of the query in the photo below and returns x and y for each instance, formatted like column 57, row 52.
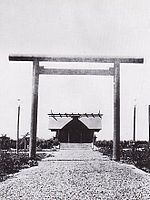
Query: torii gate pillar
column 116, row 134
column 34, row 109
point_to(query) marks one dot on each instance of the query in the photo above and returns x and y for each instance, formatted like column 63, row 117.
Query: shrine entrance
column 75, row 132
column 40, row 70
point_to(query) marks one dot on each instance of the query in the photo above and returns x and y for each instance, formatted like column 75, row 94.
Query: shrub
column 10, row 163
column 137, row 153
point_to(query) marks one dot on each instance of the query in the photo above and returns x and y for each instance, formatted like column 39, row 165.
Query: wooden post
column 25, row 144
column 134, row 123
column 149, row 121
column 18, row 121
column 81, row 137
column 116, row 136
column 68, row 137
column 34, row 109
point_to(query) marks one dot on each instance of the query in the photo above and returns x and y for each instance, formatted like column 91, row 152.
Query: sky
column 71, row 27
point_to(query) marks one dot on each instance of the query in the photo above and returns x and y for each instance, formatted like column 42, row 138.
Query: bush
column 137, row 153
column 47, row 144
column 105, row 147
column 11, row 163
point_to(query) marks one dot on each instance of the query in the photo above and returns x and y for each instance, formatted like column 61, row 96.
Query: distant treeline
column 123, row 144
column 7, row 143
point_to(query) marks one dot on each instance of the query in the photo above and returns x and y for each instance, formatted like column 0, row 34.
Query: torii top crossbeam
column 17, row 57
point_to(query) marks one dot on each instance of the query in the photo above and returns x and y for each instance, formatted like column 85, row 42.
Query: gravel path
column 74, row 175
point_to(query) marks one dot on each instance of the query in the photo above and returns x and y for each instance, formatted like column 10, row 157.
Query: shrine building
column 75, row 128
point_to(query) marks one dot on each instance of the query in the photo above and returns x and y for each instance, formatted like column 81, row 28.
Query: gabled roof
column 58, row 123
column 93, row 123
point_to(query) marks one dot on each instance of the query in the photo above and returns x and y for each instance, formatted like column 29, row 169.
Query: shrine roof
column 90, row 122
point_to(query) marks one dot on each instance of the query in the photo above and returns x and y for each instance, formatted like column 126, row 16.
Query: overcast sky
column 74, row 27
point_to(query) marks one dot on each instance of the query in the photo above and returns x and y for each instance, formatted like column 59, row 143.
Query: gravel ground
column 77, row 174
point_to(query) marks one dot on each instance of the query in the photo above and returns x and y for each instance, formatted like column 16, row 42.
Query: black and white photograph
column 74, row 100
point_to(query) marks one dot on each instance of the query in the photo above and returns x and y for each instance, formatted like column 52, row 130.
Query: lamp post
column 18, row 121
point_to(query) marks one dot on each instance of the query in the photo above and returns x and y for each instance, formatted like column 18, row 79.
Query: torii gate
column 37, row 70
